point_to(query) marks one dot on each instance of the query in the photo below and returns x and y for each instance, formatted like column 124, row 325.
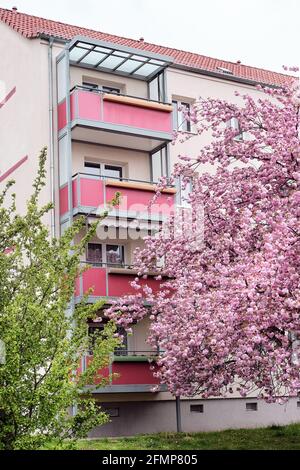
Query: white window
column 180, row 123
column 184, row 190
column 234, row 125
column 159, row 165
column 110, row 255
column 103, row 169
column 105, row 89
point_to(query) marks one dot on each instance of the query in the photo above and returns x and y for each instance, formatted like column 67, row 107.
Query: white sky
column 263, row 33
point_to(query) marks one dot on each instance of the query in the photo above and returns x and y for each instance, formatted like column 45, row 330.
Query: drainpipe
column 178, row 414
column 51, row 133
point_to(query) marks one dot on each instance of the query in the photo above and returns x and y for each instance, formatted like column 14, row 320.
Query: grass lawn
column 272, row 438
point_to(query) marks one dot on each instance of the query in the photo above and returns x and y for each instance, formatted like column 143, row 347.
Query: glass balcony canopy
column 113, row 58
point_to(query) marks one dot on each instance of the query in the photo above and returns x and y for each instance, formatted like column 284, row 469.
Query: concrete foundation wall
column 152, row 417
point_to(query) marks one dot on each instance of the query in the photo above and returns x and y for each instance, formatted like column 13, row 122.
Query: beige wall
column 24, row 120
column 188, row 87
column 128, row 86
column 136, row 164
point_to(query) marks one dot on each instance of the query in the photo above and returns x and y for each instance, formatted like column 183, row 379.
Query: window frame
column 102, row 167
column 178, row 115
column 103, row 88
column 234, row 124
column 104, row 254
column 181, row 201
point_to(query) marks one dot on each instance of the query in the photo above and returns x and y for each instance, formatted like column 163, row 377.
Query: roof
column 33, row 27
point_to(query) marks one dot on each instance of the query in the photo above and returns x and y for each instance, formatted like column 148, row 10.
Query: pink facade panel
column 62, row 115
column 91, row 192
column 95, row 278
column 63, row 200
column 143, row 118
column 138, row 200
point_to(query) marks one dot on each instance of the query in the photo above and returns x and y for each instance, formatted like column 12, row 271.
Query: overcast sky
column 263, row 33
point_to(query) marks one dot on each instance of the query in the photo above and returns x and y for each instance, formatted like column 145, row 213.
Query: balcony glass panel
column 146, row 70
column 112, row 62
column 129, row 66
column 77, row 53
column 93, row 58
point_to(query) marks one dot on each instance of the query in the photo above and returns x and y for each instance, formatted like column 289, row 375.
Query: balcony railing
column 123, row 114
column 125, row 355
column 110, row 281
column 91, row 192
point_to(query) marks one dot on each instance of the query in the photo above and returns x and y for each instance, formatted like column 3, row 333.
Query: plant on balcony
column 41, row 346
column 228, row 319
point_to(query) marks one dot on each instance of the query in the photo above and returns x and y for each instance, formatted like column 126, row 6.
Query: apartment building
column 106, row 107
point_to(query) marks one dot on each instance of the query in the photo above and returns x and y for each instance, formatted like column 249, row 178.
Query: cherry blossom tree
column 227, row 316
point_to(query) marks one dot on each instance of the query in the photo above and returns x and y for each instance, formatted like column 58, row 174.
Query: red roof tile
column 32, row 26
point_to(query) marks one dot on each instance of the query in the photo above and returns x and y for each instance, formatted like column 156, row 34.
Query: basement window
column 112, row 412
column 251, row 406
column 196, row 408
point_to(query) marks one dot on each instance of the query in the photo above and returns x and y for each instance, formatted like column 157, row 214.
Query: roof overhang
column 116, row 59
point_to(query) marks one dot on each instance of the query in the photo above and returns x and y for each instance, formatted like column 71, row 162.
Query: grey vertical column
column 69, row 138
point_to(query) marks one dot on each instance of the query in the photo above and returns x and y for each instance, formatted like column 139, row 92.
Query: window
column 234, row 125
column 115, row 255
column 180, row 123
column 196, row 408
column 92, row 168
column 251, row 406
column 112, row 412
column 109, row 89
column 105, row 89
column 91, row 86
column 112, row 255
column 298, row 404
column 113, row 171
column 184, row 190
column 102, row 169
column 94, row 253
column 159, row 165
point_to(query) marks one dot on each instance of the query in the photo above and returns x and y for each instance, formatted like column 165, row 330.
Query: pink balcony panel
column 75, row 193
column 62, row 115
column 85, row 105
column 119, row 284
column 95, row 278
column 91, row 192
column 103, row 373
column 90, row 106
column 128, row 115
column 63, row 200
column 137, row 200
column 130, row 373
column 133, row 373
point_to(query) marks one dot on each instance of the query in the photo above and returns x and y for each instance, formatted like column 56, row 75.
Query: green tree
column 43, row 344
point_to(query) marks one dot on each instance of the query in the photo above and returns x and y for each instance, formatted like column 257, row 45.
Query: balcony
column 108, row 282
column 134, row 369
column 118, row 120
column 91, row 192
